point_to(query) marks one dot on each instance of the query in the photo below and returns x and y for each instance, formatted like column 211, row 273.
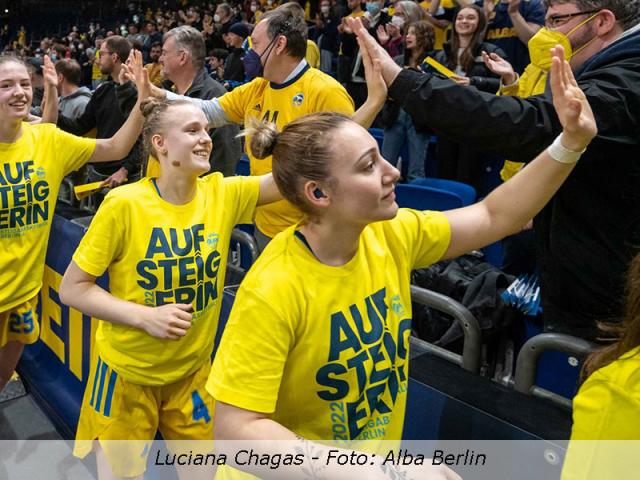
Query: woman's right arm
column 80, row 291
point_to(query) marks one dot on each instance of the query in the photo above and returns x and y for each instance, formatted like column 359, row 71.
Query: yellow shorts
column 20, row 324
column 114, row 409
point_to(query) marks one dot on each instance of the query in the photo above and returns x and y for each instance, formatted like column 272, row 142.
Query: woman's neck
column 10, row 132
column 464, row 40
column 414, row 58
column 332, row 243
column 177, row 189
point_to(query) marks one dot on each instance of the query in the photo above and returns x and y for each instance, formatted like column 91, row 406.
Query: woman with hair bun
column 164, row 242
column 317, row 342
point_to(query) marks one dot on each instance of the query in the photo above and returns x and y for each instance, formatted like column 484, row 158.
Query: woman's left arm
column 515, row 202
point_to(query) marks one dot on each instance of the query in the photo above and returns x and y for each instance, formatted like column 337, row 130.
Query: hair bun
column 149, row 105
column 264, row 138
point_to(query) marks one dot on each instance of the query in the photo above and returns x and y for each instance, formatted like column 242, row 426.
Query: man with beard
column 154, row 67
column 103, row 114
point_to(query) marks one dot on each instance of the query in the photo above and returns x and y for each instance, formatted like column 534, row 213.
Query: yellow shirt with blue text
column 309, row 92
column 159, row 253
column 31, row 170
column 324, row 350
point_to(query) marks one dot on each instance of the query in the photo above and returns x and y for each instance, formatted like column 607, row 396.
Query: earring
column 163, row 151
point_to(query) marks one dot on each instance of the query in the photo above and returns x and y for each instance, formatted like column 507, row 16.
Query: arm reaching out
column 513, row 203
column 50, row 104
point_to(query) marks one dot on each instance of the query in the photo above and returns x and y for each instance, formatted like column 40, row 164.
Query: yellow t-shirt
column 159, row 253
column 311, row 91
column 96, row 74
column 31, row 171
column 324, row 350
column 607, row 408
column 313, row 54
column 440, row 33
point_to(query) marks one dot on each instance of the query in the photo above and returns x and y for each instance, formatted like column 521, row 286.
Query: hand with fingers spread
column 388, row 67
column 49, row 73
column 381, row 33
column 573, row 109
column 500, row 66
column 169, row 322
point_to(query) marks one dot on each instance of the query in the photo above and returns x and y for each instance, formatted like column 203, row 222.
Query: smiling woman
column 33, row 161
column 159, row 323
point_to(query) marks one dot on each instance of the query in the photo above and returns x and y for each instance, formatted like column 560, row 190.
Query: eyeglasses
column 106, row 52
column 556, row 21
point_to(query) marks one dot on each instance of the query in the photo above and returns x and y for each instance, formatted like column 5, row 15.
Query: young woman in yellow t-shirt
column 164, row 242
column 317, row 343
column 33, row 161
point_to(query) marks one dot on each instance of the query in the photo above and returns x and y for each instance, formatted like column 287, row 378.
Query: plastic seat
column 420, row 197
column 466, row 192
column 243, row 168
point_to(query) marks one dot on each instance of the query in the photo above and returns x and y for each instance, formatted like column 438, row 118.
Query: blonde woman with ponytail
column 164, row 242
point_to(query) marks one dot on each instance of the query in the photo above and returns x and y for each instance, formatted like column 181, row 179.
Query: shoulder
column 131, row 191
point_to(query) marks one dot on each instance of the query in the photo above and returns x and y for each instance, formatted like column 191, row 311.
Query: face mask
column 252, row 62
column 373, row 8
column 398, row 21
column 216, row 18
column 254, row 8
column 269, row 2
column 544, row 40
column 325, row 9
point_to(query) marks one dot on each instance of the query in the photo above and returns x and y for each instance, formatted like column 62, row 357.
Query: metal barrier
column 470, row 358
column 237, row 266
column 527, row 362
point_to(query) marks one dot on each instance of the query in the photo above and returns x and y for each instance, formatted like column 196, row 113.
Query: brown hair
column 300, row 152
column 286, row 20
column 627, row 12
column 154, row 120
column 120, row 46
column 70, row 70
column 467, row 59
column 425, row 40
column 627, row 333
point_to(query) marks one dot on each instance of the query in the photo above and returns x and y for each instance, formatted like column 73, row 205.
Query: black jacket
column 588, row 233
column 233, row 67
column 103, row 114
column 479, row 75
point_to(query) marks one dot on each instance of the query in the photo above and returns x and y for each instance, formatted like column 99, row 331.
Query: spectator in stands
column 233, row 67
column 154, row 67
column 399, row 128
column 97, row 77
column 463, row 55
column 348, row 43
column 440, row 14
column 37, row 84
column 216, row 63
column 170, row 319
column 223, row 19
column 328, row 303
column 327, row 36
column 284, row 88
column 150, row 37
column 511, row 25
column 33, row 161
column 183, row 57
column 73, row 98
column 390, row 36
column 588, row 233
column 103, row 114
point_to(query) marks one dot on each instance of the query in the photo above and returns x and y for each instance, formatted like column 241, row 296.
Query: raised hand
column 376, row 86
column 573, row 109
column 499, row 66
column 388, row 67
column 49, row 73
column 513, row 7
column 135, row 71
column 169, row 322
column 381, row 33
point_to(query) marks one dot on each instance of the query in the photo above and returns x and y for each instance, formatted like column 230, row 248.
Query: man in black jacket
column 103, row 114
column 183, row 57
column 590, row 230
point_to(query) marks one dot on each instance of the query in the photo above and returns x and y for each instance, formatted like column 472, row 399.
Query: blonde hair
column 155, row 120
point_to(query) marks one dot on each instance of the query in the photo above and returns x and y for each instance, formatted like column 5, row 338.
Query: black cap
column 36, row 63
column 239, row 29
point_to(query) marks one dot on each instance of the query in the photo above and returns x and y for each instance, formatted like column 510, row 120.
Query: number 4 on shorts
column 200, row 410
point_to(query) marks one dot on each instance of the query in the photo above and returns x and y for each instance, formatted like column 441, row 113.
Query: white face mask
column 216, row 18
column 269, row 2
column 254, row 8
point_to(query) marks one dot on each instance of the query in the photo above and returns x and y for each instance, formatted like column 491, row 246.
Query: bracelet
column 561, row 154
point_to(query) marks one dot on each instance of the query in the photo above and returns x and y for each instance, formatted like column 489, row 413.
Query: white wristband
column 562, row 154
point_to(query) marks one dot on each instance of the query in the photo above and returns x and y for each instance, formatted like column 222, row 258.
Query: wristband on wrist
column 561, row 154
